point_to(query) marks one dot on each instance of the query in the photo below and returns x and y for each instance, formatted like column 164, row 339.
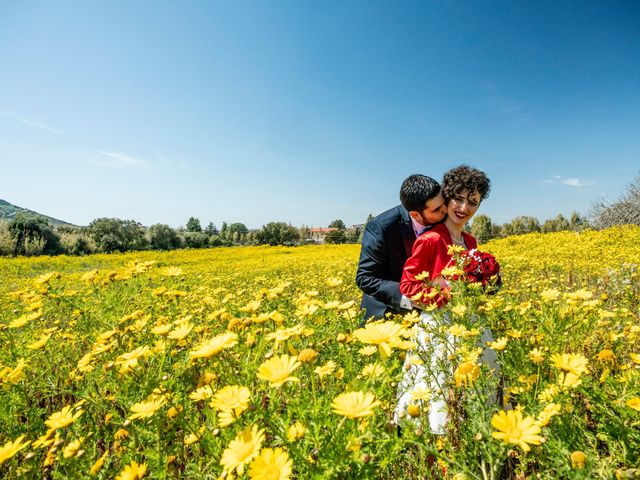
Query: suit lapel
column 406, row 230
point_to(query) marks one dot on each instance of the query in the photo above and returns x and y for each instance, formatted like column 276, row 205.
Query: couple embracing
column 402, row 243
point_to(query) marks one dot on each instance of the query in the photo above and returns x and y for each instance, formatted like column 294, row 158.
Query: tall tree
column 33, row 235
column 557, row 224
column 339, row 235
column 162, row 237
column 115, row 235
column 211, row 229
column 482, row 228
column 337, row 224
column 238, row 227
column 278, row 233
column 193, row 225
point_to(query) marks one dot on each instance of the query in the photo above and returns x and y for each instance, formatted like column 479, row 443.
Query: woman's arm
column 424, row 258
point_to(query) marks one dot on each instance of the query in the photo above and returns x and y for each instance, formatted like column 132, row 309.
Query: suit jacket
column 386, row 244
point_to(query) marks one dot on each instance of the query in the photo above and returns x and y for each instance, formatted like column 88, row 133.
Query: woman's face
column 462, row 207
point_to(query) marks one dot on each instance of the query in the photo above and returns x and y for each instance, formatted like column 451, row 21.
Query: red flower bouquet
column 481, row 267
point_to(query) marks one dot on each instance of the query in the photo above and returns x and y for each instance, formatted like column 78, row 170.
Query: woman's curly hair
column 462, row 178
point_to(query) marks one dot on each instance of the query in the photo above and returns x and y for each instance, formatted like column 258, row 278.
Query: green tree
column 338, row 235
column 337, row 224
column 195, row 239
column 578, row 222
column 75, row 242
column 278, row 233
column 115, row 235
column 305, row 232
column 216, row 241
column 193, row 225
column 34, row 235
column 162, row 237
column 211, row 229
column 521, row 225
column 238, row 227
column 482, row 228
column 557, row 224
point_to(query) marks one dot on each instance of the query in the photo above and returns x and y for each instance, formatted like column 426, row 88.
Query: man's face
column 433, row 212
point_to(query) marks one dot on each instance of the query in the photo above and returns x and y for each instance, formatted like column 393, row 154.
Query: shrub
column 77, row 243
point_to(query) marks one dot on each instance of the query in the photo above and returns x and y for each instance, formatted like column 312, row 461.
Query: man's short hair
column 416, row 190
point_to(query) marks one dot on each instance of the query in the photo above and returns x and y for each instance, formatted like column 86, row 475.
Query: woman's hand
column 443, row 285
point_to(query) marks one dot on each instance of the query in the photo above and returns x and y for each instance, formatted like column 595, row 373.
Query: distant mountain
column 8, row 211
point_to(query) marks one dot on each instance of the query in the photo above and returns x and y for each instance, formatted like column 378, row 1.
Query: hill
column 8, row 211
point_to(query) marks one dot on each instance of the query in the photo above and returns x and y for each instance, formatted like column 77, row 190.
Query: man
column 387, row 242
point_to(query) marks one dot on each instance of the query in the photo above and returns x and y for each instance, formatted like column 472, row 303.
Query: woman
column 463, row 189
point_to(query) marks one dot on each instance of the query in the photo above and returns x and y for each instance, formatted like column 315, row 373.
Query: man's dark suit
column 386, row 244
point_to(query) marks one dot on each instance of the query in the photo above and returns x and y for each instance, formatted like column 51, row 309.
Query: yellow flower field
column 250, row 363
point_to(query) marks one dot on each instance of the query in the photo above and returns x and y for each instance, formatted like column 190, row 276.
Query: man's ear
column 416, row 216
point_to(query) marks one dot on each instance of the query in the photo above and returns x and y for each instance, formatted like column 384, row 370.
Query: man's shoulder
column 392, row 216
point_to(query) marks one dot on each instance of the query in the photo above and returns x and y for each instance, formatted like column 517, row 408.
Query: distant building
column 318, row 234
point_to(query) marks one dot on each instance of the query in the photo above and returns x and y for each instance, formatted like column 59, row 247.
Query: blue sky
column 305, row 112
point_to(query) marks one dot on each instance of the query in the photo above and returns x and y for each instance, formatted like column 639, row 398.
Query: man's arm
column 373, row 268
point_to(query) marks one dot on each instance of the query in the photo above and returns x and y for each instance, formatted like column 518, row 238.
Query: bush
column 195, row 239
column 33, row 245
column 77, row 243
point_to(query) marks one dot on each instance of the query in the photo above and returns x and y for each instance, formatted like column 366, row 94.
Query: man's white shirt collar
column 418, row 228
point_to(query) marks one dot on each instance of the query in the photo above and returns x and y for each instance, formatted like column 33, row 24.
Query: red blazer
column 430, row 255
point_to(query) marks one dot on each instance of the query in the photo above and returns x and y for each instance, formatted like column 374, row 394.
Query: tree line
column 29, row 234
column 484, row 229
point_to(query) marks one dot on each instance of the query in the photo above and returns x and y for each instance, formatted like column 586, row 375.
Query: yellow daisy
column 214, row 345
column 355, row 404
column 181, row 331
column 63, row 418
column 466, row 373
column 233, row 400
column 10, row 448
column 241, row 450
column 271, row 464
column 326, row 369
column 278, row 370
column 295, row 431
column 133, row 471
column 148, row 408
column 512, row 428
column 382, row 334
column 634, row 402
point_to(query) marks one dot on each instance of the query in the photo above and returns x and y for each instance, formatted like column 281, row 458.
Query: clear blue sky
column 305, row 112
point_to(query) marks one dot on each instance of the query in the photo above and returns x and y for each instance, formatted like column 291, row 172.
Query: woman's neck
column 454, row 230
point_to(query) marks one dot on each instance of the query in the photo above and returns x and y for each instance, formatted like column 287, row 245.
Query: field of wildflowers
column 250, row 363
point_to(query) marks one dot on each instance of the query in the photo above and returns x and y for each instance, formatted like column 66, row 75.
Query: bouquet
column 481, row 267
